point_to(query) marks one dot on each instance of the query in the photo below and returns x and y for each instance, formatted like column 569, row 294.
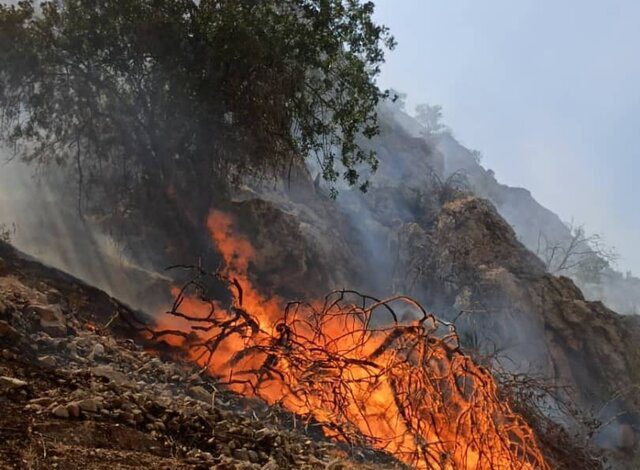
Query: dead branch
column 405, row 388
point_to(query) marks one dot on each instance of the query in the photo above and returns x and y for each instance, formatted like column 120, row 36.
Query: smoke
column 43, row 220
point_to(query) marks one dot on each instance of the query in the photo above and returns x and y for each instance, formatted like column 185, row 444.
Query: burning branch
column 348, row 363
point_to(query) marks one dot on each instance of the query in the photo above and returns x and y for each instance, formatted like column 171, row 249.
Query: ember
column 350, row 363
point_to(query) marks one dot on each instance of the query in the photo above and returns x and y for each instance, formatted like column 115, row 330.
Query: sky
column 548, row 91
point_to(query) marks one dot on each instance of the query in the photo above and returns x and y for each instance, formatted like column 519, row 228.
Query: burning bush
column 387, row 374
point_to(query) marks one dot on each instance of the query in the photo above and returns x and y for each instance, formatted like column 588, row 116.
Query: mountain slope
column 76, row 391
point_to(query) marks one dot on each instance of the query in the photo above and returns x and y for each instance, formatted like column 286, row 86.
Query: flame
column 404, row 388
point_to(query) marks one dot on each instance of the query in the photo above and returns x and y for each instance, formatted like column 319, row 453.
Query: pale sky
column 548, row 91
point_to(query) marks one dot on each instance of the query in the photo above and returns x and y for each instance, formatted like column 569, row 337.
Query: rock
column 52, row 319
column 97, row 351
column 253, row 456
column 10, row 383
column 627, row 438
column 48, row 313
column 241, row 454
column 60, row 412
column 8, row 333
column 41, row 401
column 195, row 378
column 336, row 465
column 74, row 410
column 271, row 465
column 91, row 405
column 72, row 348
column 48, row 361
column 200, row 393
column 54, row 296
column 8, row 354
column 110, row 373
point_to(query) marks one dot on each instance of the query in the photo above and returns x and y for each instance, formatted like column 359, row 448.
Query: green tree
column 153, row 100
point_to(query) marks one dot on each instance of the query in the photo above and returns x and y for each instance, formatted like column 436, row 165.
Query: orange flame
column 406, row 388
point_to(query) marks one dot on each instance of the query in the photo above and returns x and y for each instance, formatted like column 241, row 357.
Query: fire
column 348, row 363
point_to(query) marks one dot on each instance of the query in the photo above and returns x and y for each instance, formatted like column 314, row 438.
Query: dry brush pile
column 386, row 374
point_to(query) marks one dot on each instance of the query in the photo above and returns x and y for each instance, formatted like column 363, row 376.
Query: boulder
column 51, row 319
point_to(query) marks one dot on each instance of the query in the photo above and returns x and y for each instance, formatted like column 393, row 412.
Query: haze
column 547, row 91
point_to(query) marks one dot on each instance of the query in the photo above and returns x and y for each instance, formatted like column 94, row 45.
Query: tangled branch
column 348, row 363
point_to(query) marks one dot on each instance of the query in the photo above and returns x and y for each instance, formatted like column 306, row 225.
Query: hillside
column 415, row 232
column 222, row 245
column 77, row 390
column 537, row 227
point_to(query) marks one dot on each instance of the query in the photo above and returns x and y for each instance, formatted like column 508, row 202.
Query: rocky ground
column 76, row 391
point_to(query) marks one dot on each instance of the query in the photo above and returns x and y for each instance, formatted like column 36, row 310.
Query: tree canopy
column 184, row 93
column 430, row 117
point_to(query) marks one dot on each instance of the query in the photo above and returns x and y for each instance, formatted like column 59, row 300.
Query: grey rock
column 110, row 373
column 98, row 351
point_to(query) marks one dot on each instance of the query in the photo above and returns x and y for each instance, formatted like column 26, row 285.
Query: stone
column 271, row 465
column 53, row 328
column 241, row 454
column 253, row 456
column 74, row 410
column 52, row 319
column 110, row 373
column 91, row 405
column 195, row 378
column 627, row 438
column 60, row 412
column 11, row 383
column 72, row 348
column 98, row 351
column 47, row 361
column 41, row 401
column 54, row 296
column 7, row 332
column 200, row 393
column 46, row 312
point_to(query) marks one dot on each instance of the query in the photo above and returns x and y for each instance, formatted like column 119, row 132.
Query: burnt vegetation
column 380, row 373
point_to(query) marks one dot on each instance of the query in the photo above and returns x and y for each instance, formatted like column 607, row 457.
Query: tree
column 398, row 99
column 6, row 232
column 165, row 100
column 477, row 156
column 430, row 117
column 580, row 254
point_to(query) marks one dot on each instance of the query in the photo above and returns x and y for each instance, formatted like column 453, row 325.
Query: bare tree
column 447, row 189
column 581, row 254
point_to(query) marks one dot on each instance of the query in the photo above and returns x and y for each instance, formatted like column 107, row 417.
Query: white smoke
column 42, row 219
